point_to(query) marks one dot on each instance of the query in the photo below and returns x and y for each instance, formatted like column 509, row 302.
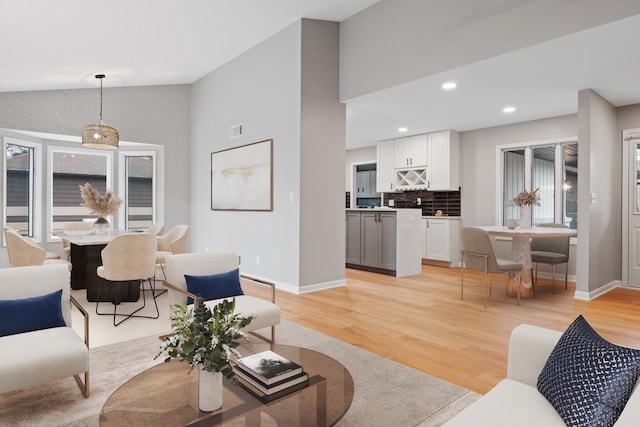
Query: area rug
column 386, row 393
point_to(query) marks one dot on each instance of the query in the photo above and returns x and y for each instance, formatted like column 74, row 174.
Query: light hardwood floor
column 421, row 322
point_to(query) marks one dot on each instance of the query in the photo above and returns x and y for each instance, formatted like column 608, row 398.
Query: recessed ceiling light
column 448, row 85
column 509, row 109
column 402, row 129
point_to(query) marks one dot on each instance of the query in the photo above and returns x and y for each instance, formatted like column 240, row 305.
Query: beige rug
column 386, row 393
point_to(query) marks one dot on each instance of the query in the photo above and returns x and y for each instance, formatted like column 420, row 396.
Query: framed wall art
column 242, row 178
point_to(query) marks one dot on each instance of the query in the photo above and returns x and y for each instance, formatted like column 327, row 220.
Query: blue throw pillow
column 215, row 286
column 587, row 379
column 31, row 314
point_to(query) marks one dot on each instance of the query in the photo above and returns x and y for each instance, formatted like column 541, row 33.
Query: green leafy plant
column 205, row 336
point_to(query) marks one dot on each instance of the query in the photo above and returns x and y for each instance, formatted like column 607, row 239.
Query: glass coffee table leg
column 321, row 396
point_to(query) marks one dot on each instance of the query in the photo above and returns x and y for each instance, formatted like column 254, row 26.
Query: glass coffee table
column 167, row 395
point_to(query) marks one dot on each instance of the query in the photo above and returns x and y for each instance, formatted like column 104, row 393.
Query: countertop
column 442, row 217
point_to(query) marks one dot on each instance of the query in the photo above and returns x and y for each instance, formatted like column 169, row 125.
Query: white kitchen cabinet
column 385, row 173
column 423, row 234
column 444, row 161
column 442, row 240
column 411, row 151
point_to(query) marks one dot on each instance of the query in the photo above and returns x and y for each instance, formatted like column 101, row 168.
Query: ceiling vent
column 235, row 131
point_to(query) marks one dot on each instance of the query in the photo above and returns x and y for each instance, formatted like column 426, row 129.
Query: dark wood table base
column 85, row 260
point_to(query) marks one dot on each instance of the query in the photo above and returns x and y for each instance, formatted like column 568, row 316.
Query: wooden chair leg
column 518, row 285
column 553, row 276
column 566, row 274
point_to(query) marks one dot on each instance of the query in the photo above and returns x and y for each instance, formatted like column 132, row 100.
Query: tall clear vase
column 101, row 226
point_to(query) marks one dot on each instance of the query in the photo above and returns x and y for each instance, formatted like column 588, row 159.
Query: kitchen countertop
column 442, row 216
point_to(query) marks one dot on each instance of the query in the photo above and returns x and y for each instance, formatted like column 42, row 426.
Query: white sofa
column 35, row 357
column 266, row 313
column 515, row 401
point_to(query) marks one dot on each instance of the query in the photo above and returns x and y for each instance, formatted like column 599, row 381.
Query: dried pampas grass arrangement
column 98, row 204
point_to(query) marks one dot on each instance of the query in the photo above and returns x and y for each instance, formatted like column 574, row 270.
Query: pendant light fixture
column 100, row 136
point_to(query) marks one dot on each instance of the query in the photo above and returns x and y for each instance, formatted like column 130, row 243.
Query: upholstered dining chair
column 553, row 251
column 172, row 243
column 23, row 251
column 477, row 254
column 156, row 228
column 74, row 227
column 126, row 258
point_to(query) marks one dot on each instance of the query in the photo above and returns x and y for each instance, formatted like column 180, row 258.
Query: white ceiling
column 62, row 44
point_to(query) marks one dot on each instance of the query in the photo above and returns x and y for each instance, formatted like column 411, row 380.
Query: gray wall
column 270, row 91
column 155, row 114
column 478, row 161
column 322, row 140
column 394, row 42
column 599, row 174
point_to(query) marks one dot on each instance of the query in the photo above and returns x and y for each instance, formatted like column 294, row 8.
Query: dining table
column 86, row 257
column 521, row 251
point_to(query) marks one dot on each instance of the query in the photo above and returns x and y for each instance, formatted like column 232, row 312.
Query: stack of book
column 269, row 376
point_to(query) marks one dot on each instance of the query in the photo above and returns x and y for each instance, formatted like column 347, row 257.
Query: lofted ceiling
column 62, row 44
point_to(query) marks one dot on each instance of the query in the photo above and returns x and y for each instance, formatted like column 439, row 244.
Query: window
column 22, row 160
column 70, row 168
column 139, row 189
column 550, row 167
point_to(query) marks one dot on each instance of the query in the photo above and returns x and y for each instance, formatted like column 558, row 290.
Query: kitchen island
column 384, row 240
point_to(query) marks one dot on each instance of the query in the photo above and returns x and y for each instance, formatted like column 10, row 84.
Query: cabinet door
column 352, row 249
column 423, row 237
column 402, row 152
column 370, row 239
column 438, row 239
column 385, row 173
column 444, row 161
column 419, row 150
column 387, row 223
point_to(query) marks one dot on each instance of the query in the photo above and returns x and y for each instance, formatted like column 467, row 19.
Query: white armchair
column 266, row 313
column 37, row 356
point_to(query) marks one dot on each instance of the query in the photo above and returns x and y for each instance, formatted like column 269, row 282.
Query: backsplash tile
column 431, row 201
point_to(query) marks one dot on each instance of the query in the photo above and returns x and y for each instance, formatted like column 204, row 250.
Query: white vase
column 209, row 390
column 525, row 217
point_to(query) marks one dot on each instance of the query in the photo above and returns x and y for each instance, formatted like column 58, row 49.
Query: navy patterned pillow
column 587, row 379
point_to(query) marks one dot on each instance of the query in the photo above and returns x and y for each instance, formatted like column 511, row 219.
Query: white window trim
column 60, row 149
column 527, row 146
column 37, row 184
column 122, row 181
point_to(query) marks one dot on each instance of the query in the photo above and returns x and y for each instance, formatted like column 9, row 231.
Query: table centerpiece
column 206, row 337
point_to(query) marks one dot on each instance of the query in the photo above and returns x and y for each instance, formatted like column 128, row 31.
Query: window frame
column 122, row 183
column 51, row 149
column 36, row 181
column 528, row 147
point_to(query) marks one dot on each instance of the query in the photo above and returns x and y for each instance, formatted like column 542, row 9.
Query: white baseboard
column 591, row 295
column 297, row 290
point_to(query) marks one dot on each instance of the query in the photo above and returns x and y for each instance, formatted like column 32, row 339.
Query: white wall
column 394, row 42
column 271, row 90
